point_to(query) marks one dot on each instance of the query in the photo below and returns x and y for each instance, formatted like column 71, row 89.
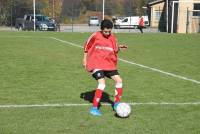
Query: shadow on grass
column 89, row 95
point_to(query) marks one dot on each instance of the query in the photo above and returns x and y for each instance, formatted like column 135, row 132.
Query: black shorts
column 102, row 74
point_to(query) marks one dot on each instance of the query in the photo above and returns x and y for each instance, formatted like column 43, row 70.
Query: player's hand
column 84, row 63
column 122, row 47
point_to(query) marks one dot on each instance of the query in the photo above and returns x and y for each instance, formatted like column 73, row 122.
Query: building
column 175, row 16
column 157, row 14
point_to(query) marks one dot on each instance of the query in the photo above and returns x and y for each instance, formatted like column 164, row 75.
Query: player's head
column 106, row 27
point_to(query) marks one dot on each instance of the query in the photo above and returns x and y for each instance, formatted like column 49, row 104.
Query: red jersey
column 141, row 21
column 101, row 52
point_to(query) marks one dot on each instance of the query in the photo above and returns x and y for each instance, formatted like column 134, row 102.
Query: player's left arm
column 119, row 47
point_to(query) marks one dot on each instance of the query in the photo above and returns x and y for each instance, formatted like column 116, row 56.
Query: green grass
column 35, row 69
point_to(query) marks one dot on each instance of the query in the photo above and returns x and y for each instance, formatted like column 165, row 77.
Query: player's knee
column 118, row 80
column 118, row 83
column 101, row 86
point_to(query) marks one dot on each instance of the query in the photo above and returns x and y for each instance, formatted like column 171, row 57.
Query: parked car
column 42, row 23
column 93, row 21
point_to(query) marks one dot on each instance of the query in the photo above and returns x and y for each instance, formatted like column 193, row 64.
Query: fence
column 67, row 13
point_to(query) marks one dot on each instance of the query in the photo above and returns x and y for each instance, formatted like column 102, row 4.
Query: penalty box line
column 136, row 64
column 105, row 104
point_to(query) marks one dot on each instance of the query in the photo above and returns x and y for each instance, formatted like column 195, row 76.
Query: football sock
column 118, row 94
column 97, row 97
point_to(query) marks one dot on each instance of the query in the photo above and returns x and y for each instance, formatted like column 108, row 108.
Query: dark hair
column 106, row 24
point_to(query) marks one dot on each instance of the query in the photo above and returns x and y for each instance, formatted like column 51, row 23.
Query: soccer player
column 100, row 59
column 141, row 24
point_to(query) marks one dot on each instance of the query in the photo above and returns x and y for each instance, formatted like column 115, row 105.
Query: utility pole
column 11, row 13
column 53, row 9
column 34, row 13
column 167, row 15
column 103, row 8
column 72, row 16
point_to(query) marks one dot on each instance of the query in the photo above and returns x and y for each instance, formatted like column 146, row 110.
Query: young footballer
column 100, row 59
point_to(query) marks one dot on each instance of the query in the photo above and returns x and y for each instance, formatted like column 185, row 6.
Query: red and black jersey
column 101, row 52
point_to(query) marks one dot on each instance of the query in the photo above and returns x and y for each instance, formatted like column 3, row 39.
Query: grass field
column 41, row 69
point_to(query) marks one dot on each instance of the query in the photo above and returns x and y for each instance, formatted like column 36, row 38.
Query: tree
column 137, row 6
column 5, row 12
column 69, row 9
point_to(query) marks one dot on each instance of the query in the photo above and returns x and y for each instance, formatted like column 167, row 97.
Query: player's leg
column 99, row 76
column 140, row 28
column 118, row 89
column 97, row 97
column 98, row 92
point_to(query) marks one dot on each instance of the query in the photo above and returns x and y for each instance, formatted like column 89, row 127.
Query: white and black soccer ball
column 123, row 110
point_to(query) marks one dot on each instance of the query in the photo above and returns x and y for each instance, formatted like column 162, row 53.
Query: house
column 157, row 15
column 175, row 16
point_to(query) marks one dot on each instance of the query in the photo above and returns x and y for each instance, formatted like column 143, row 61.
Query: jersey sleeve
column 89, row 42
column 114, row 40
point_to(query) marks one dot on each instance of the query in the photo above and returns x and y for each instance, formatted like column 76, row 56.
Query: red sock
column 118, row 94
column 97, row 97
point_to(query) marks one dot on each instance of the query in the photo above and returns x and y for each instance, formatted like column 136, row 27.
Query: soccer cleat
column 95, row 111
column 115, row 105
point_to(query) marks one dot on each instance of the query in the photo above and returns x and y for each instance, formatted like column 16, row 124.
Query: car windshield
column 42, row 18
column 94, row 18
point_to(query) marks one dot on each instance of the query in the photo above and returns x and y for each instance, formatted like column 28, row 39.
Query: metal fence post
column 199, row 24
column 187, row 21
column 11, row 14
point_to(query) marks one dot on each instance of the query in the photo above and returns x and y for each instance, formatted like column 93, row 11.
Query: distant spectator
column 57, row 23
column 58, row 27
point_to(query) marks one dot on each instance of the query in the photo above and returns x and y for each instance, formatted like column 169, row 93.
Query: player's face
column 106, row 32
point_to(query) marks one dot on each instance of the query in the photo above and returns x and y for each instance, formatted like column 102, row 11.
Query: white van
column 130, row 22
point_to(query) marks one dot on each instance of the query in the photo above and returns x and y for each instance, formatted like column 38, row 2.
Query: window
column 196, row 7
column 157, row 15
column 125, row 20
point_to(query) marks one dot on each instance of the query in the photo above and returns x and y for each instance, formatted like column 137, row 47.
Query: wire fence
column 75, row 15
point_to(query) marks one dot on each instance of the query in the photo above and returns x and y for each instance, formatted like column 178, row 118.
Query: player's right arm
column 84, row 62
column 89, row 43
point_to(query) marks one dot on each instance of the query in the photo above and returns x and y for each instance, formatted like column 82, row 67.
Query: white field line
column 105, row 104
column 67, row 42
column 160, row 71
column 140, row 65
column 23, row 36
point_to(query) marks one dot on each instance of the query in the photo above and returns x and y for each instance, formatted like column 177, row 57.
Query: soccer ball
column 123, row 110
